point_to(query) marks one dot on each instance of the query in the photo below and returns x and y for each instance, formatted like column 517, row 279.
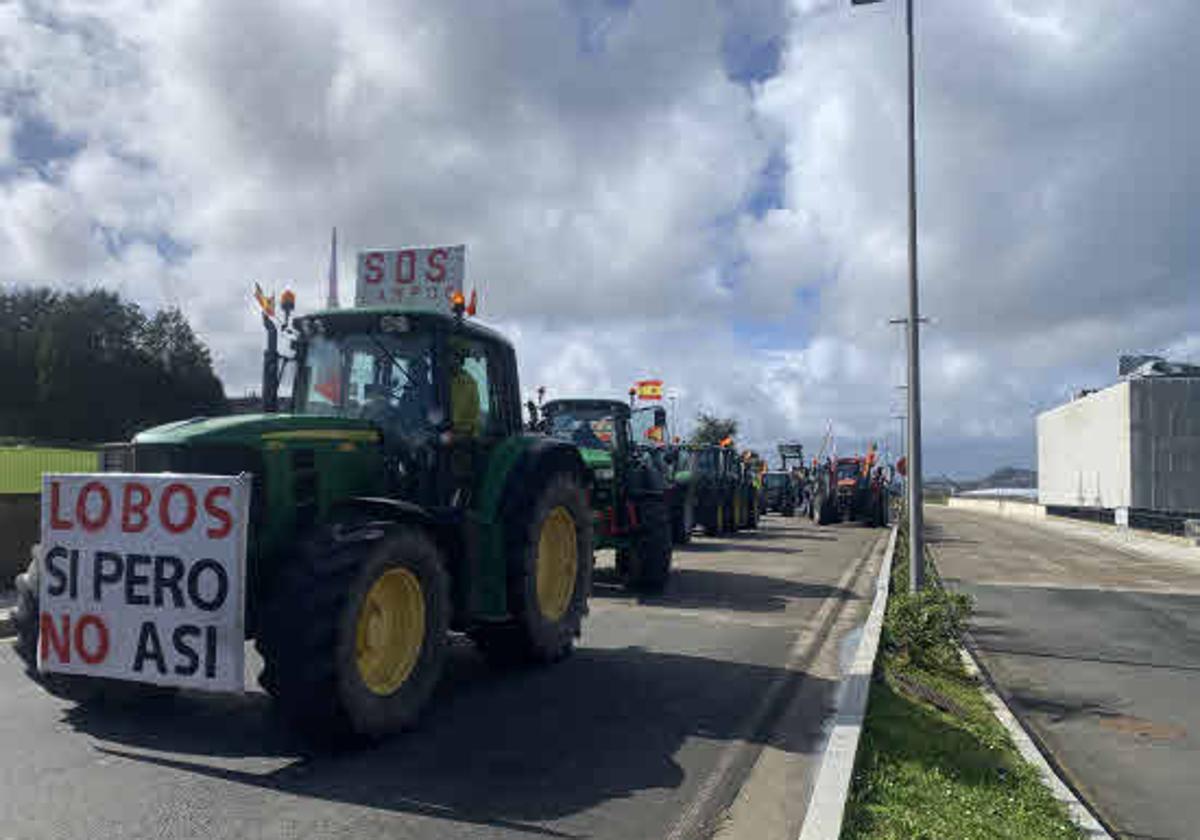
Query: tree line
column 91, row 367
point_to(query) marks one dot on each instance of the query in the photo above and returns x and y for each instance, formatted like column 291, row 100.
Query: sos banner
column 417, row 279
column 142, row 578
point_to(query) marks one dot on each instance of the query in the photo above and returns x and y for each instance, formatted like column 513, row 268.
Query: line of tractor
column 404, row 496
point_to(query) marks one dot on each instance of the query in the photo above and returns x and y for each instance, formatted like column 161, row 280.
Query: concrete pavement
column 1097, row 645
column 650, row 730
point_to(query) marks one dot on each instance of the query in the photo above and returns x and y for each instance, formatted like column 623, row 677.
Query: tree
column 711, row 429
column 88, row 366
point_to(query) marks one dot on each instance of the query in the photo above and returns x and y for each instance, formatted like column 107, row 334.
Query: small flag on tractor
column 265, row 303
column 728, row 441
column 471, row 305
column 649, row 389
column 655, row 433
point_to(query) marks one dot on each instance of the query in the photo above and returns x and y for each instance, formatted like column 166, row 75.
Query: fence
column 21, row 467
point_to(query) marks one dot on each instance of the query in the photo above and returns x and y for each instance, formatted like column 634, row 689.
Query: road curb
column 827, row 805
column 1032, row 750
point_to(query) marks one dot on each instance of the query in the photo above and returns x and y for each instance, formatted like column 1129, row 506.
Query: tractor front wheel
column 353, row 636
column 78, row 689
column 549, row 578
column 684, row 522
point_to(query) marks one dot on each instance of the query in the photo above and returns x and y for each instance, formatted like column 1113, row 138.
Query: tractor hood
column 257, row 429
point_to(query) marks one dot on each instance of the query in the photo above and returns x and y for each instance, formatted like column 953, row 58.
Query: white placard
column 142, row 577
column 416, row 279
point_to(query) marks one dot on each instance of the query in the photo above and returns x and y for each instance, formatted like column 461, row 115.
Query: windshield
column 708, row 461
column 590, row 428
column 774, row 480
column 642, row 426
column 387, row 378
column 847, row 469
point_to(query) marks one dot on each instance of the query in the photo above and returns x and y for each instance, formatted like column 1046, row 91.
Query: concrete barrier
column 1001, row 506
column 19, row 514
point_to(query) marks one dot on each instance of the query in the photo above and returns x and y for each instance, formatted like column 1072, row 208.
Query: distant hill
column 1005, row 477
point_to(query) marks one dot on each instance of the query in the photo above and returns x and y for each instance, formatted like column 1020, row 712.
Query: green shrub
column 924, row 628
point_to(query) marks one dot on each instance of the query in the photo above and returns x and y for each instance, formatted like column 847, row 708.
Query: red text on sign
column 92, row 647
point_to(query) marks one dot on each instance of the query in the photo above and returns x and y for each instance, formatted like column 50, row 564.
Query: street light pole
column 916, row 541
column 916, row 519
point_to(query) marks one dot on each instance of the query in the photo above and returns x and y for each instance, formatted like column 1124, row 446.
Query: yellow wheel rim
column 390, row 631
column 557, row 563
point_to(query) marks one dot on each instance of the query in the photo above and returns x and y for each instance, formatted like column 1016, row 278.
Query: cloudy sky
column 711, row 191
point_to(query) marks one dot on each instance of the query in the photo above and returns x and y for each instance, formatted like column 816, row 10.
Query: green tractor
column 748, row 499
column 398, row 500
column 629, row 493
column 649, row 425
column 780, row 492
column 716, row 479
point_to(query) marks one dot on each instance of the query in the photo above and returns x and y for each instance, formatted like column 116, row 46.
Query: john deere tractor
column 629, row 493
column 649, row 427
column 716, row 476
column 399, row 500
column 747, row 501
column 780, row 492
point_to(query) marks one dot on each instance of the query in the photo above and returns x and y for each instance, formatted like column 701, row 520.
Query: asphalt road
column 649, row 730
column 1098, row 647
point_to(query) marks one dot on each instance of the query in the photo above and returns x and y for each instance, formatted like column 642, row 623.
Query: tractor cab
column 629, row 493
column 441, row 392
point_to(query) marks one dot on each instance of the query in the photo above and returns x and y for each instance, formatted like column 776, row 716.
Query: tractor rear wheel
column 650, row 556
column 714, row 520
column 353, row 636
column 549, row 578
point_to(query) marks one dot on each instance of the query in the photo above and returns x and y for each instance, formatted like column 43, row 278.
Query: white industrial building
column 1134, row 446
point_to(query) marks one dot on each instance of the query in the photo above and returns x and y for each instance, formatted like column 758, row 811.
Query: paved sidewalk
column 1094, row 636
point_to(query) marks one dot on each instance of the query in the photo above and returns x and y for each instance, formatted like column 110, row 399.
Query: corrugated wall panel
column 1165, row 433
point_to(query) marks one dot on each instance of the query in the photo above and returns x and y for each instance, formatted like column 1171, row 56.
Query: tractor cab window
column 847, row 469
column 708, row 460
column 775, row 480
column 385, row 378
column 645, row 430
column 473, row 390
column 587, row 428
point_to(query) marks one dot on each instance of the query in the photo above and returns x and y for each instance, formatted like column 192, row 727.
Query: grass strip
column 933, row 762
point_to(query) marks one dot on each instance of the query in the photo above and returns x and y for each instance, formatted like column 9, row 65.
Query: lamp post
column 916, row 541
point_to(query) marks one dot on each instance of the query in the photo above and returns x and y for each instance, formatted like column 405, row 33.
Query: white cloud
column 598, row 160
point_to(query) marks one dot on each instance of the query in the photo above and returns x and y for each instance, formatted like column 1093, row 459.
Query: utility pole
column 916, row 536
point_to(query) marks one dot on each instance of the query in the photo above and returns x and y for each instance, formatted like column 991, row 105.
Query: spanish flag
column 266, row 304
column 649, row 389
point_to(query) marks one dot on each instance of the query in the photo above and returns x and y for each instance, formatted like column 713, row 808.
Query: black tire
column 714, row 520
column 309, row 630
column 650, row 558
column 683, row 521
column 82, row 690
column 531, row 636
